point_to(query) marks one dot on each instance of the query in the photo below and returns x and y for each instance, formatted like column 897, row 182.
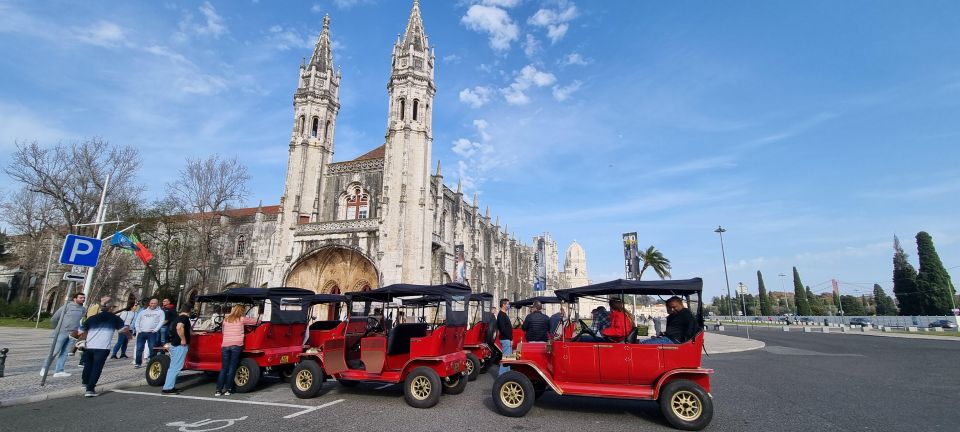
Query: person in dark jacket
column 681, row 324
column 537, row 325
column 506, row 332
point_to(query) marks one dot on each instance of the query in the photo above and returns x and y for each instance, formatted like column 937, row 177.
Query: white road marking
column 303, row 408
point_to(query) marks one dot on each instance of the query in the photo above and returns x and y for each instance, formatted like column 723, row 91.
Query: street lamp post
column 720, row 231
column 742, row 290
column 784, row 292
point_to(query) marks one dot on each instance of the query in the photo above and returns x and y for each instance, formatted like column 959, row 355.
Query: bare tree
column 164, row 232
column 32, row 216
column 204, row 190
column 72, row 176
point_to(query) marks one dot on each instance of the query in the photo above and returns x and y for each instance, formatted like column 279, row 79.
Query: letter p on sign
column 82, row 251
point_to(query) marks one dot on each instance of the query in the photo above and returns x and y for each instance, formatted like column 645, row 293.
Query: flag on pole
column 131, row 244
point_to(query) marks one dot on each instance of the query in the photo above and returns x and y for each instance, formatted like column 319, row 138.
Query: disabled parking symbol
column 205, row 424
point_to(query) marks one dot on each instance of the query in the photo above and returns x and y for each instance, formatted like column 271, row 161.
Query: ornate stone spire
column 414, row 34
column 459, row 188
column 322, row 57
column 438, row 174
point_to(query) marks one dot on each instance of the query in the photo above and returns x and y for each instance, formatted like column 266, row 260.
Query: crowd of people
column 92, row 329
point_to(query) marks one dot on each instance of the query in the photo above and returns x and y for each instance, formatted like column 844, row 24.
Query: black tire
column 686, row 405
column 286, row 373
column 247, row 376
column 513, row 394
column 455, row 384
column 422, row 387
column 307, row 380
column 348, row 383
column 473, row 367
column 485, row 364
column 157, row 369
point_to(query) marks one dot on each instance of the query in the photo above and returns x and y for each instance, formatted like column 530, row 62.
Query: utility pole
column 101, row 213
column 784, row 292
column 720, row 231
column 46, row 277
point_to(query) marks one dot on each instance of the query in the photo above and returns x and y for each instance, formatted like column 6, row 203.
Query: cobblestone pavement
column 28, row 348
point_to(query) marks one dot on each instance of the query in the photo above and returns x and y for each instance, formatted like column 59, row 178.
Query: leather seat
column 398, row 341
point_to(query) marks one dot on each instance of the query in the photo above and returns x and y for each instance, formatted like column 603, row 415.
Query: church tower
column 315, row 107
column 406, row 207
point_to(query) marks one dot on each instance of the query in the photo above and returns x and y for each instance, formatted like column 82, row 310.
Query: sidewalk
column 28, row 348
column 716, row 343
column 733, row 327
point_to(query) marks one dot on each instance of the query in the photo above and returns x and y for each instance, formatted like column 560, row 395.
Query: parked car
column 581, row 362
column 805, row 320
column 862, row 322
column 947, row 324
column 757, row 319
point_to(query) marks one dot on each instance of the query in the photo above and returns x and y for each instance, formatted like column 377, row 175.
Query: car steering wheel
column 372, row 325
column 217, row 323
column 585, row 329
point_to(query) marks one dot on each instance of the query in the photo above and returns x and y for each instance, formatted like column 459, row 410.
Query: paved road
column 798, row 382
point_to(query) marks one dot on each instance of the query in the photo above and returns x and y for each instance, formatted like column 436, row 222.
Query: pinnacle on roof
column 459, row 187
column 438, row 169
column 474, row 199
column 323, row 52
column 488, row 212
column 414, row 34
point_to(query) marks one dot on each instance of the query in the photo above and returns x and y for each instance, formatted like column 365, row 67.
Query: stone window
column 418, row 64
column 315, row 128
column 303, row 121
column 326, row 131
column 241, row 246
column 403, row 108
column 357, row 204
column 416, row 106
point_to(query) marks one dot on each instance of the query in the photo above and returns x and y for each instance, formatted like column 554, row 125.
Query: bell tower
column 406, row 207
column 315, row 106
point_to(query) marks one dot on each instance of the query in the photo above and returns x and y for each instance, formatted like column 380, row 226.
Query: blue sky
column 813, row 131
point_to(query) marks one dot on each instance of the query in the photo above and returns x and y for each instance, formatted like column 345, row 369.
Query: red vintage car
column 273, row 344
column 479, row 354
column 670, row 374
column 309, row 375
column 427, row 358
column 519, row 312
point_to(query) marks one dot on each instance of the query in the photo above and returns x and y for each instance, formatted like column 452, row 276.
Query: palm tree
column 654, row 259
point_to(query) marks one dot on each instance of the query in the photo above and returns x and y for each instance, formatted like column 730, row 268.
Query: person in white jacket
column 146, row 324
column 122, row 340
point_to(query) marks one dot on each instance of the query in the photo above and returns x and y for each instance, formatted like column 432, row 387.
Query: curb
column 742, row 344
column 76, row 391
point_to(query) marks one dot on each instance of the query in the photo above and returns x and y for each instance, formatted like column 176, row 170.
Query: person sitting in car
column 537, row 325
column 681, row 324
column 621, row 321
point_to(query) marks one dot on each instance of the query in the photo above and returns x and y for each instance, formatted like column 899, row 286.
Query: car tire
column 422, row 388
column 247, row 376
column 286, row 373
column 473, row 366
column 157, row 369
column 686, row 405
column 455, row 384
column 307, row 379
column 513, row 394
column 485, row 364
column 348, row 383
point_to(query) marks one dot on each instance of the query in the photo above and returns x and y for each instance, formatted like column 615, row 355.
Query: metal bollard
column 3, row 360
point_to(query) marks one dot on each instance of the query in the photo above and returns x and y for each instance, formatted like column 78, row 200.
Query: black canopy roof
column 541, row 299
column 323, row 298
column 253, row 294
column 388, row 293
column 481, row 296
column 678, row 287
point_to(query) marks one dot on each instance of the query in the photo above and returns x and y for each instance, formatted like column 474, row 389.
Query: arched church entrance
column 333, row 270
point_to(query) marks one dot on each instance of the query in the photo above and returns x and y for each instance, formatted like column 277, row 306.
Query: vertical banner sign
column 540, row 268
column 631, row 256
column 836, row 295
column 461, row 264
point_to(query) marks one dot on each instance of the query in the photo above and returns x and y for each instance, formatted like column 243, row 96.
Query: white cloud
column 103, row 33
column 555, row 20
column 563, row 93
column 476, row 97
column 19, row 123
column 478, row 157
column 316, row 8
column 495, row 22
column 212, row 24
column 529, row 76
column 286, row 38
column 574, row 59
column 501, row 3
column 452, row 58
column 347, row 4
column 531, row 46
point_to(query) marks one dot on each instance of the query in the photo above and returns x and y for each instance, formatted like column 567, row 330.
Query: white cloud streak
column 493, row 21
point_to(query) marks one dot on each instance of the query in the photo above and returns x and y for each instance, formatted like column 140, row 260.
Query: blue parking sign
column 81, row 251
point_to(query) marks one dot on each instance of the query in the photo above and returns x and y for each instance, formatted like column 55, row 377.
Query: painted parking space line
column 304, row 409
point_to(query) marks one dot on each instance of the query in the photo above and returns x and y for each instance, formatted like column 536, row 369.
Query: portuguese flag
column 131, row 244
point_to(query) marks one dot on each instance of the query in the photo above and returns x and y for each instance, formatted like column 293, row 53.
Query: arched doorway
column 333, row 270
column 52, row 301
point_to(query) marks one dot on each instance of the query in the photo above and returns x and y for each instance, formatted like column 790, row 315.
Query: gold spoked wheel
column 686, row 405
column 420, row 387
column 469, row 366
column 243, row 375
column 304, row 380
column 511, row 394
column 155, row 370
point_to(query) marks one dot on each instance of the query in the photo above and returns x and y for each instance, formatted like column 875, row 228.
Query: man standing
column 179, row 342
column 556, row 319
column 99, row 329
column 71, row 314
column 506, row 332
column 168, row 316
column 146, row 324
column 681, row 324
column 536, row 325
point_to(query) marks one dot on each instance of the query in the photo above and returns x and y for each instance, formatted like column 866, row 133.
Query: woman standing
column 231, row 348
column 122, row 340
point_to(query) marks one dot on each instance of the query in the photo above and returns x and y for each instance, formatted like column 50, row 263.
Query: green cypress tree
column 905, row 282
column 816, row 307
column 885, row 304
column 933, row 282
column 852, row 306
column 799, row 295
column 765, row 306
